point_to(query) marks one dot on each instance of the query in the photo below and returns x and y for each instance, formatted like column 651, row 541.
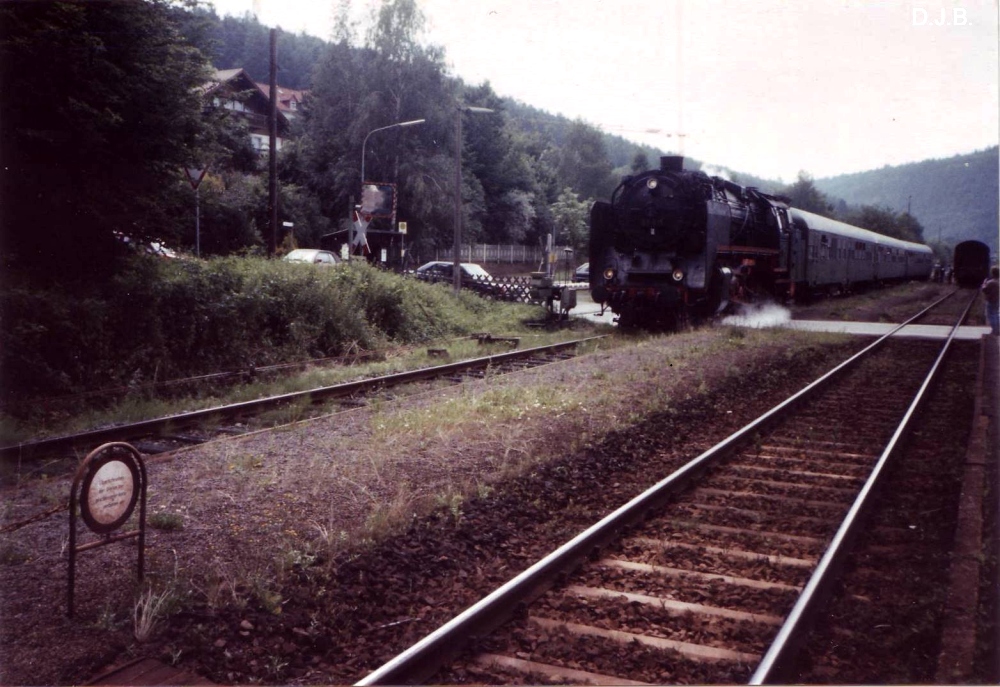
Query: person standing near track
column 991, row 292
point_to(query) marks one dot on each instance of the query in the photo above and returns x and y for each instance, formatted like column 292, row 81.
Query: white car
column 313, row 256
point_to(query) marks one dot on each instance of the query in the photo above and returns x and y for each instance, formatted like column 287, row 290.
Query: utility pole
column 272, row 114
column 457, row 245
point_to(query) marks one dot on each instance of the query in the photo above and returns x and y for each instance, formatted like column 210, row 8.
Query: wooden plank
column 553, row 673
column 700, row 652
column 148, row 671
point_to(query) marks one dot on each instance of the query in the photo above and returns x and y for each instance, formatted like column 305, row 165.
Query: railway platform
column 920, row 331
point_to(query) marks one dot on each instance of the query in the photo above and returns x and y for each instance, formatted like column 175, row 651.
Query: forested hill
column 956, row 198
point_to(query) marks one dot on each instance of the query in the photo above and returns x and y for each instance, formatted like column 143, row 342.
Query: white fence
column 486, row 253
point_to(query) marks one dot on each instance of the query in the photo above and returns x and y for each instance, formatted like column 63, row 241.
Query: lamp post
column 457, row 248
column 397, row 125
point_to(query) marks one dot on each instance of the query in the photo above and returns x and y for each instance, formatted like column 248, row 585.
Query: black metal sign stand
column 109, row 483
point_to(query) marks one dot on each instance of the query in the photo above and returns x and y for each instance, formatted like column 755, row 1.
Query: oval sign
column 109, row 492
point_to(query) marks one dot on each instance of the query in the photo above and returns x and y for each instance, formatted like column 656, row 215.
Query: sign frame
column 95, row 487
column 378, row 199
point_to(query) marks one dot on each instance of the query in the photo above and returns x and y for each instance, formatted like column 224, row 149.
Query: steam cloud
column 759, row 316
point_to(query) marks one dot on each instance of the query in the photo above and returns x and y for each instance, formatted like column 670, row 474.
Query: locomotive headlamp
column 678, row 274
column 609, row 274
column 651, row 183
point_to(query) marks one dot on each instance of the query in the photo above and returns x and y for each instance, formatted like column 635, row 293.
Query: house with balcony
column 235, row 91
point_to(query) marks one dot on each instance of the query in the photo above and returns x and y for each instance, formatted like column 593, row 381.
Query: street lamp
column 397, row 125
column 457, row 249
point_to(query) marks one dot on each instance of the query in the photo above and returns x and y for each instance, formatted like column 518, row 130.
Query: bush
column 167, row 319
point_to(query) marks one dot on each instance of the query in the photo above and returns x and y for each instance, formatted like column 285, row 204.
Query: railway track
column 714, row 574
column 165, row 433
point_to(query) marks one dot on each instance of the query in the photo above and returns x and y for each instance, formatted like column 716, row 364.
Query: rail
column 776, row 663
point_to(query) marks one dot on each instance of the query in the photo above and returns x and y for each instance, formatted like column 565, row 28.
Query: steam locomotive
column 676, row 244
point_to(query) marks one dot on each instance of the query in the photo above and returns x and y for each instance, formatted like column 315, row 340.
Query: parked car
column 473, row 277
column 156, row 248
column 313, row 256
column 582, row 273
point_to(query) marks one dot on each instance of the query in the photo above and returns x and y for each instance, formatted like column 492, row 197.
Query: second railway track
column 175, row 430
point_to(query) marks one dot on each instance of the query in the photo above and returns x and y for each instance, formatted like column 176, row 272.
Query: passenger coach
column 842, row 256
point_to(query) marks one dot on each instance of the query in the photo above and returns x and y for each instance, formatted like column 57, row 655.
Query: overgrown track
column 717, row 569
column 177, row 428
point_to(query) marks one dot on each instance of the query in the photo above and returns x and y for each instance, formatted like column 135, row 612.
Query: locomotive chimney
column 671, row 163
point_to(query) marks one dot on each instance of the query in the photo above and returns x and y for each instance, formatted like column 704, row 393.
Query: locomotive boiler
column 675, row 244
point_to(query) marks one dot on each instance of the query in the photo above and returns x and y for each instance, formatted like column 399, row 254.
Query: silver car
column 313, row 256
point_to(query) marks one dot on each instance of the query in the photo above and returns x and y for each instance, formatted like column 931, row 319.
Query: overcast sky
column 768, row 87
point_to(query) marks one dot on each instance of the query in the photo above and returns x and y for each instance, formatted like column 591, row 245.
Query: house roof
column 230, row 77
column 239, row 80
column 286, row 96
column 223, row 75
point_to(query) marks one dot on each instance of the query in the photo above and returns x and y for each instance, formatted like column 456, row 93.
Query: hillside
column 955, row 199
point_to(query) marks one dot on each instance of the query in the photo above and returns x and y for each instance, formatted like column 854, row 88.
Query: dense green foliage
column 955, row 199
column 244, row 43
column 167, row 319
column 804, row 195
column 100, row 114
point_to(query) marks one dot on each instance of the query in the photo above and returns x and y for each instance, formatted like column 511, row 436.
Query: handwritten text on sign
column 110, row 492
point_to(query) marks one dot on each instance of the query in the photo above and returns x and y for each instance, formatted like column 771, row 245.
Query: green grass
column 167, row 522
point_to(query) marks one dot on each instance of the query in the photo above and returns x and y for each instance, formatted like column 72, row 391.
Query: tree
column 805, row 196
column 113, row 116
column 909, row 228
column 244, row 43
column 584, row 163
column 640, row 162
column 570, row 216
column 357, row 90
column 884, row 221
